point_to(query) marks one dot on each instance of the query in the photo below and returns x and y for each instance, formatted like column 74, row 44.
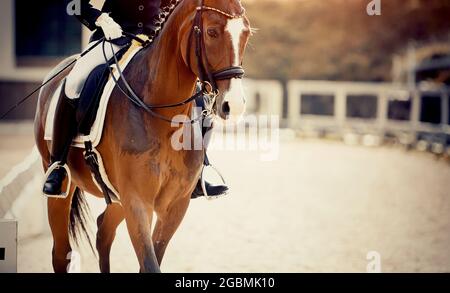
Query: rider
column 116, row 16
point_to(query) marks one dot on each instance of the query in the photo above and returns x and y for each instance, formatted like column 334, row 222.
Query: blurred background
column 364, row 107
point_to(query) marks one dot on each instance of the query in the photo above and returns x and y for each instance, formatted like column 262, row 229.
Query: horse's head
column 213, row 42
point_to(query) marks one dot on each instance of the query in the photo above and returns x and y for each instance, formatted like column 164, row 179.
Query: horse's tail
column 79, row 216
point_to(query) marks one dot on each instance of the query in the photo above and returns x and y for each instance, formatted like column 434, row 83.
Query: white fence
column 383, row 94
column 264, row 97
column 342, row 107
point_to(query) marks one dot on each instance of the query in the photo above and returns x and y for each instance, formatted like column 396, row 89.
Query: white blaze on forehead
column 235, row 94
column 236, row 27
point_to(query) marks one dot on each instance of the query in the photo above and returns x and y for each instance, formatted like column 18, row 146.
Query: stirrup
column 53, row 167
column 202, row 180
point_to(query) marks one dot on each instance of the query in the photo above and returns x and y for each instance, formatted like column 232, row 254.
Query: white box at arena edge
column 8, row 246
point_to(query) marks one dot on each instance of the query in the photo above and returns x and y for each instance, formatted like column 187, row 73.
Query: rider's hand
column 111, row 29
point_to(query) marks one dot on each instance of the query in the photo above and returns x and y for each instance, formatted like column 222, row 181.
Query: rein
column 135, row 99
column 207, row 79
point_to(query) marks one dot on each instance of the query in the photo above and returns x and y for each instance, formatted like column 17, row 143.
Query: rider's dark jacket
column 134, row 16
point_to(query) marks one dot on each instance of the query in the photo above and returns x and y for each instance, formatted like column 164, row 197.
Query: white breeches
column 84, row 66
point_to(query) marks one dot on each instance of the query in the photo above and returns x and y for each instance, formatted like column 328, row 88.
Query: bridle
column 207, row 79
column 206, row 76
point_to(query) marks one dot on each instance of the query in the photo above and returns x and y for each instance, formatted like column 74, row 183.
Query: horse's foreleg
column 167, row 225
column 107, row 224
column 58, row 217
column 138, row 216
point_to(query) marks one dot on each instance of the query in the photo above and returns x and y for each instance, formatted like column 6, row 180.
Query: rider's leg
column 84, row 66
column 64, row 128
column 212, row 190
column 65, row 125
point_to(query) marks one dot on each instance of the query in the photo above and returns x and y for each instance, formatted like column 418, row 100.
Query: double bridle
column 207, row 78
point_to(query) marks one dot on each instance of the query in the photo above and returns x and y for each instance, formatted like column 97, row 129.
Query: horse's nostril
column 226, row 108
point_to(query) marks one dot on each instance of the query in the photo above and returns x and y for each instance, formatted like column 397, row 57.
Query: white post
column 416, row 110
column 444, row 109
column 383, row 107
column 294, row 93
column 340, row 107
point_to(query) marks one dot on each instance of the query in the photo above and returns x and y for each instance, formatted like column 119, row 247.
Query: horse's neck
column 168, row 79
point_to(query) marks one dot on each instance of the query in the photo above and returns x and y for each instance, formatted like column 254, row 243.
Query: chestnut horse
column 150, row 176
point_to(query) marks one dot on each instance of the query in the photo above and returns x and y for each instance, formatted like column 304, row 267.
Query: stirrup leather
column 202, row 180
column 56, row 166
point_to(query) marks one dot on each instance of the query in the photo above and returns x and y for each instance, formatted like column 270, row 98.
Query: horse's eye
column 213, row 33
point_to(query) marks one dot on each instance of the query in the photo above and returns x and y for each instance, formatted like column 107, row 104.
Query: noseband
column 207, row 77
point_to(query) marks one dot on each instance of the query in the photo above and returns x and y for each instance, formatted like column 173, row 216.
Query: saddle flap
column 90, row 98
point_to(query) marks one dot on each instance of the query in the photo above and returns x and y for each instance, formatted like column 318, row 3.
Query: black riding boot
column 212, row 190
column 64, row 130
